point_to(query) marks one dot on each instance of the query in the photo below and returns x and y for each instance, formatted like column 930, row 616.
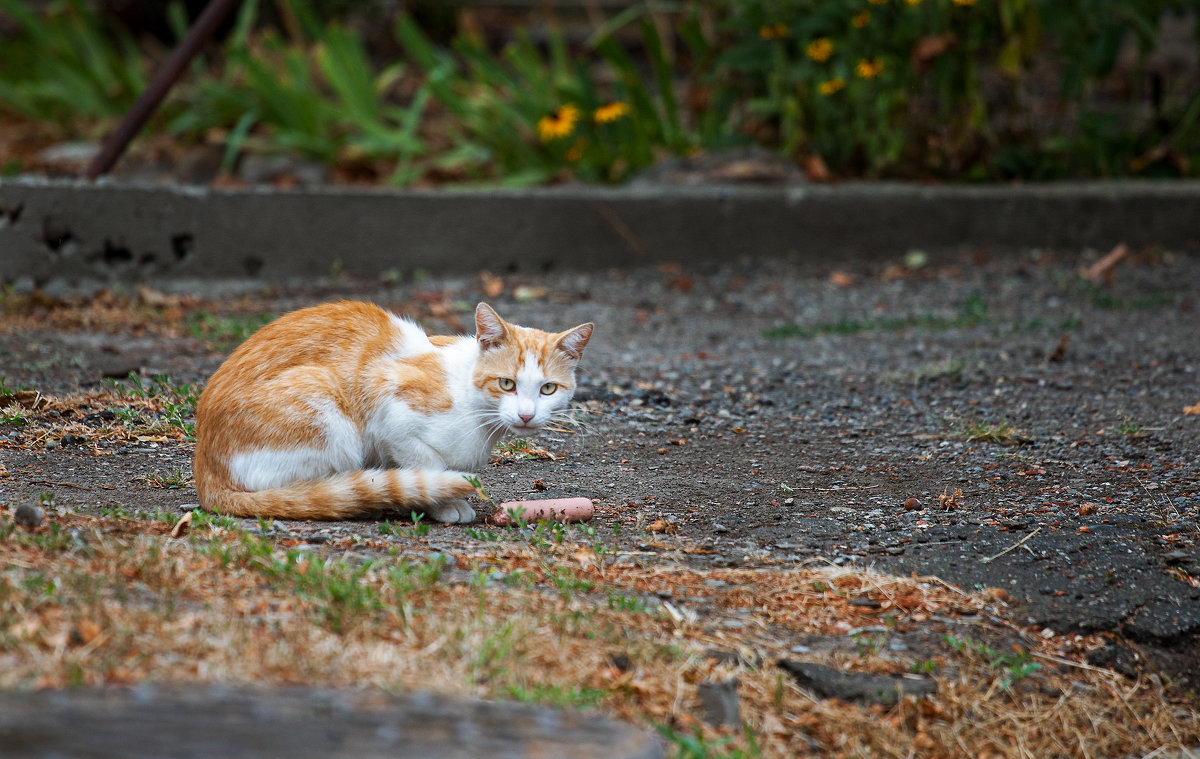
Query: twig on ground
column 1018, row 544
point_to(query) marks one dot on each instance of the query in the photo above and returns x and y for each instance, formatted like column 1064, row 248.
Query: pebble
column 719, row 699
column 1177, row 557
column 28, row 514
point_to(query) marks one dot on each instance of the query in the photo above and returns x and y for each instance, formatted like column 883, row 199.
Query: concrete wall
column 73, row 232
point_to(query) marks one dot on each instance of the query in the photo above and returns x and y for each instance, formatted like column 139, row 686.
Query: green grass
column 1130, row 429
column 981, row 431
column 419, row 529
column 973, row 312
column 518, row 448
column 224, row 333
column 563, row 696
column 1013, row 667
column 697, row 746
column 173, row 479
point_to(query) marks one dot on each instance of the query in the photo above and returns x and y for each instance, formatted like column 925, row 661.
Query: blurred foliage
column 67, row 64
column 951, row 87
column 956, row 89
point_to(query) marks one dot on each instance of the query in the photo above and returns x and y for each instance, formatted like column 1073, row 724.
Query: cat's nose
column 527, row 418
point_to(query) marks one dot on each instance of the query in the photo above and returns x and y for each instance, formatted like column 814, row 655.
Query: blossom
column 610, row 112
column 773, row 31
column 832, row 86
column 869, row 69
column 861, row 19
column 558, row 124
column 820, row 49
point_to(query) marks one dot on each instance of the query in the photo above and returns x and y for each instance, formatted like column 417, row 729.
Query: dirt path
column 998, row 422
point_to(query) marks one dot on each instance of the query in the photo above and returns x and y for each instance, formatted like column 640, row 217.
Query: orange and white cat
column 344, row 409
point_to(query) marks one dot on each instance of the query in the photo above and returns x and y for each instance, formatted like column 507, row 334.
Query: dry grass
column 557, row 616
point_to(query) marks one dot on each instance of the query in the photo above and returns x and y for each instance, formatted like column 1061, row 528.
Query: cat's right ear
column 490, row 329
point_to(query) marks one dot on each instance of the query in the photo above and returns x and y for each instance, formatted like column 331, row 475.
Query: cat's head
column 528, row 374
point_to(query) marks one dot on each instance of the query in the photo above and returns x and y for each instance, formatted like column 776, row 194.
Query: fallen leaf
column 1192, row 410
column 181, row 527
column 662, row 525
column 152, row 438
column 492, row 285
column 87, row 630
column 841, row 278
column 30, row 399
column 1087, row 508
column 816, row 169
column 950, row 501
column 931, row 46
column 526, row 292
column 1061, row 350
column 683, row 283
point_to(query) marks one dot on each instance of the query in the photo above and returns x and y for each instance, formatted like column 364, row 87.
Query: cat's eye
column 549, row 388
column 507, row 385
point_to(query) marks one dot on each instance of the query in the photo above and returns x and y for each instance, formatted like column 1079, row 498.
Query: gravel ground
column 994, row 420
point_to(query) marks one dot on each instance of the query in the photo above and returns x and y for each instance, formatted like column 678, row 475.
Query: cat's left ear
column 572, row 341
column 490, row 329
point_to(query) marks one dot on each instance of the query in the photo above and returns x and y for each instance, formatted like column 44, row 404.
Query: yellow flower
column 861, row 19
column 610, row 112
column 913, row 2
column 869, row 69
column 773, row 31
column 820, row 49
column 558, row 124
column 832, row 86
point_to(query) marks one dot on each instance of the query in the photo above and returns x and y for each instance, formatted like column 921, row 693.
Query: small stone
column 1174, row 558
column 912, row 504
column 894, row 550
column 827, row 682
column 28, row 515
column 720, row 701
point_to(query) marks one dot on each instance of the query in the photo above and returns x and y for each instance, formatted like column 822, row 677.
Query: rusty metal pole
column 208, row 21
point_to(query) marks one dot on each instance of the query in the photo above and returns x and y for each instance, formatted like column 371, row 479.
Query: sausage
column 548, row 509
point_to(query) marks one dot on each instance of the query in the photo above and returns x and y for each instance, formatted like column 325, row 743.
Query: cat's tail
column 345, row 495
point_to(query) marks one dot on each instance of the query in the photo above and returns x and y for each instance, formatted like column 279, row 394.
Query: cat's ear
column 572, row 341
column 490, row 329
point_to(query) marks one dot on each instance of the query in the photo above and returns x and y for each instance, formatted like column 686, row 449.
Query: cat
column 343, row 409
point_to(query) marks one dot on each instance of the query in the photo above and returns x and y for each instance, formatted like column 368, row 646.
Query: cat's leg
column 296, row 428
column 453, row 510
column 410, row 452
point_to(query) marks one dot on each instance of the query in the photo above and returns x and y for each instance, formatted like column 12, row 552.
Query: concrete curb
column 73, row 231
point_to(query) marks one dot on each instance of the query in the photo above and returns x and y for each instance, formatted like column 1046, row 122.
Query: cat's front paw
column 456, row 511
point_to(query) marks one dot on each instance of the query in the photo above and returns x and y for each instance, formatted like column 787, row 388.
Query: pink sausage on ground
column 549, row 509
